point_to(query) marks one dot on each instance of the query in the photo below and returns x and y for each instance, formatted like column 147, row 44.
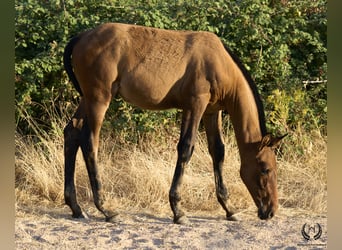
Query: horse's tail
column 68, row 65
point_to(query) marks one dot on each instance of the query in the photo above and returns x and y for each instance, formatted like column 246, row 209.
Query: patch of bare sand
column 55, row 229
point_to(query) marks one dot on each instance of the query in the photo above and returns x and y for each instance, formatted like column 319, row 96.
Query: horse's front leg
column 213, row 127
column 185, row 148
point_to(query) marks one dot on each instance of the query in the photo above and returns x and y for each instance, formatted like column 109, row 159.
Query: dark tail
column 67, row 63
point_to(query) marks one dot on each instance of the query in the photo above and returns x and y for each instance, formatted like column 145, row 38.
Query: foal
column 161, row 69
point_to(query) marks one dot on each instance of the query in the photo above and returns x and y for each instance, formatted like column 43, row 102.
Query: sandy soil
column 46, row 228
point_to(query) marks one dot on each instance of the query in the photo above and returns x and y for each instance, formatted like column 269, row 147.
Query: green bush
column 282, row 43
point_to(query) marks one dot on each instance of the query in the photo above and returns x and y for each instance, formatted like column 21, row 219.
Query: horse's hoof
column 81, row 215
column 233, row 218
column 114, row 218
column 183, row 220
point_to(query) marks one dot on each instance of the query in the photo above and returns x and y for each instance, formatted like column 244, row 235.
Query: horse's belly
column 151, row 87
column 147, row 96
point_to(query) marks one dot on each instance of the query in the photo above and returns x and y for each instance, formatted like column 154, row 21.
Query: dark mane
column 254, row 89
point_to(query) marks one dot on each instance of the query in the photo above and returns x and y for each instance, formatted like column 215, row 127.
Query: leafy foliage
column 282, row 43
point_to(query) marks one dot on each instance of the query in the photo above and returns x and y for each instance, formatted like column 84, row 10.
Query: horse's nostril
column 262, row 215
column 270, row 215
column 265, row 215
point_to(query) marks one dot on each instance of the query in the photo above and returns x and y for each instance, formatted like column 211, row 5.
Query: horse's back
column 150, row 45
column 147, row 45
column 151, row 67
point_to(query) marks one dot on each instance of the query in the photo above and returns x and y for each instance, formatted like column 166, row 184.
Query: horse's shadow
column 62, row 212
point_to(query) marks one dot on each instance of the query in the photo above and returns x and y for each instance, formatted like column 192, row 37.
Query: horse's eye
column 265, row 171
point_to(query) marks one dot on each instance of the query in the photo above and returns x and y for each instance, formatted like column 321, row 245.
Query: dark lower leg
column 184, row 154
column 221, row 190
column 185, row 149
column 174, row 196
column 89, row 146
column 217, row 150
column 71, row 144
column 222, row 194
column 97, row 188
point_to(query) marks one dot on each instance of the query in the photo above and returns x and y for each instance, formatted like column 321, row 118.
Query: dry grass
column 139, row 176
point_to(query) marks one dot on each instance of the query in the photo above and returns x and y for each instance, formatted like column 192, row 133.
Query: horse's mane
column 254, row 89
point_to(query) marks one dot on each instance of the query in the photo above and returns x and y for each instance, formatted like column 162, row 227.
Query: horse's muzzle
column 265, row 215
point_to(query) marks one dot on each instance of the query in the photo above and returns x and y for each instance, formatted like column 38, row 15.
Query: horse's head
column 259, row 174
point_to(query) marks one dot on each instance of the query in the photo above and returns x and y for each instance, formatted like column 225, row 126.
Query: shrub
column 282, row 43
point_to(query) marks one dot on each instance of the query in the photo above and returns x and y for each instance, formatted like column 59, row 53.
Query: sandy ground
column 47, row 228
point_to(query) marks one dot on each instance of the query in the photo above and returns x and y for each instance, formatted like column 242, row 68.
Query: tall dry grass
column 138, row 176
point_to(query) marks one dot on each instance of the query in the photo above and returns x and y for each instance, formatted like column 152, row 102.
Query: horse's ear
column 265, row 141
column 275, row 142
column 270, row 141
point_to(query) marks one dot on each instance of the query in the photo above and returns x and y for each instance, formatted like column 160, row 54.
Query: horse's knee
column 217, row 151
column 185, row 150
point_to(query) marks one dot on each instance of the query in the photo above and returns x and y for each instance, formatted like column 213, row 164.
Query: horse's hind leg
column 95, row 112
column 213, row 126
column 72, row 136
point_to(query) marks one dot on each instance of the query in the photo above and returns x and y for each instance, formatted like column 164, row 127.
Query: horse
column 159, row 69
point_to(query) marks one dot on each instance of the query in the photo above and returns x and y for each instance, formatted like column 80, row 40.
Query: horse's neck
column 245, row 116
